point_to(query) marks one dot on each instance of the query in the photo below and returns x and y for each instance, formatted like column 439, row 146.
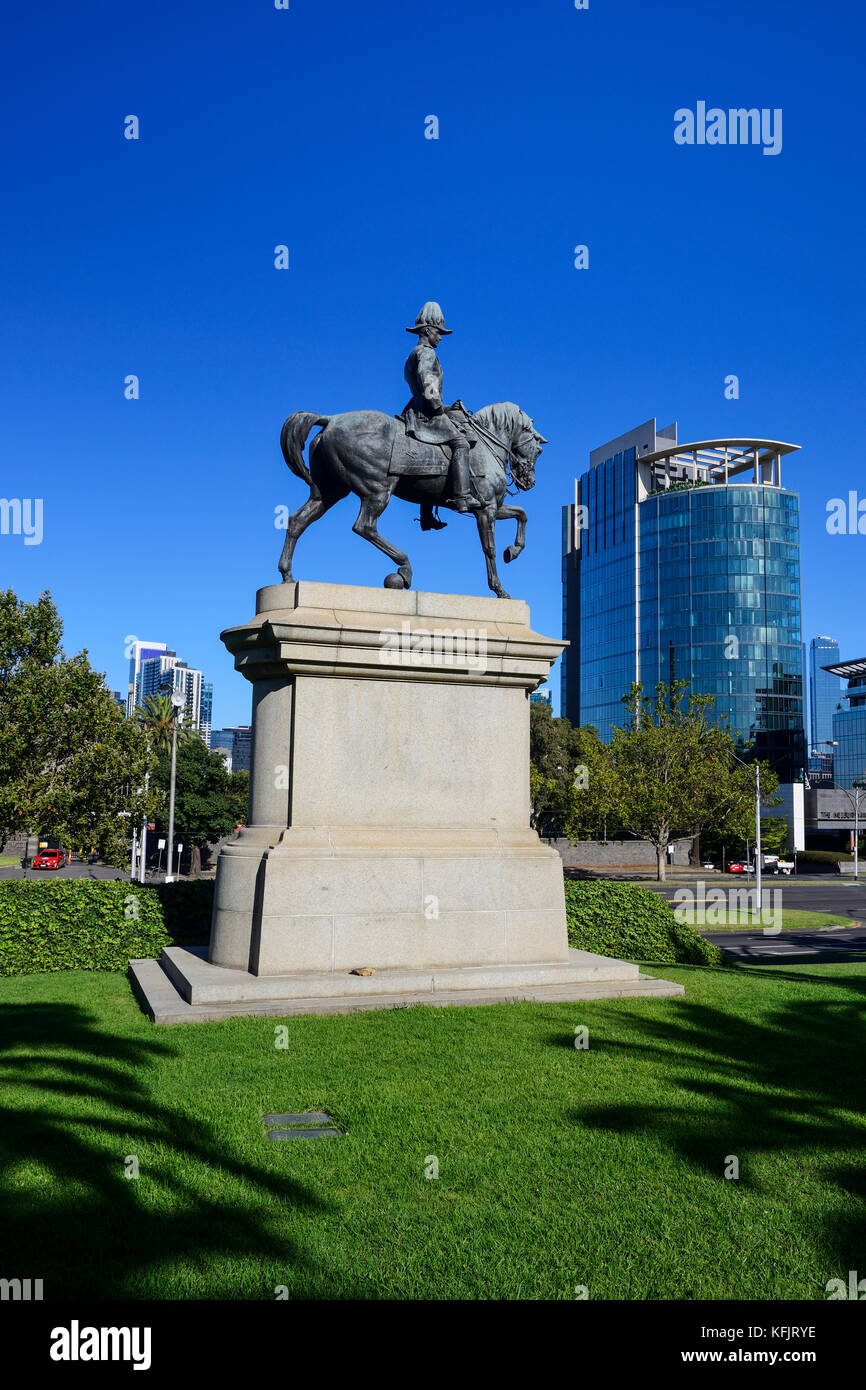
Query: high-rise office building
column 139, row 652
column 237, row 739
column 206, row 710
column 849, row 725
column 167, row 674
column 682, row 562
column 225, row 754
column 825, row 690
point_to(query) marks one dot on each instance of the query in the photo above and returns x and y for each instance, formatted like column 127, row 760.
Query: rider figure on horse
column 426, row 418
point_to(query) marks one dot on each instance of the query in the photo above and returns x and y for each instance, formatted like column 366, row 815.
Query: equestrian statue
column 432, row 455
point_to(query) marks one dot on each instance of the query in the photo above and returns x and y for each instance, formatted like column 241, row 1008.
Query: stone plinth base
column 343, row 897
column 183, row 987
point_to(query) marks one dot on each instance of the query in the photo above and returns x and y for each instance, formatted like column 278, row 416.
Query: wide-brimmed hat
column 431, row 316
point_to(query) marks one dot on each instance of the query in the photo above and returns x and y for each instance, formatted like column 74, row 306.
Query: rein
column 496, row 443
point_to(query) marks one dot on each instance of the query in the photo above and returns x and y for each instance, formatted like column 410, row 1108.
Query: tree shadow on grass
column 71, row 1215
column 789, row 1080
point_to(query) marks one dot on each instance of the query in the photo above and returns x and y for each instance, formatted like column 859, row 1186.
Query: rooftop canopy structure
column 718, row 461
column 849, row 669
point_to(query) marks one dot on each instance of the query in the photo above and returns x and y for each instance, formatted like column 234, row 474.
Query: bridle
column 495, row 443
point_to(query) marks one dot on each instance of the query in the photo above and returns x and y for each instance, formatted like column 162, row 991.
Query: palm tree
column 156, row 716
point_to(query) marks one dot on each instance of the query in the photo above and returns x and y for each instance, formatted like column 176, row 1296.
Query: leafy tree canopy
column 676, row 772
column 209, row 801
column 72, row 766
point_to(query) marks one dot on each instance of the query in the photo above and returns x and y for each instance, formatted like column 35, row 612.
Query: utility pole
column 858, row 788
column 177, row 701
column 758, row 856
column 143, row 858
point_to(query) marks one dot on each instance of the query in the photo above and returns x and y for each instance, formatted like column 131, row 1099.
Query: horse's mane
column 502, row 417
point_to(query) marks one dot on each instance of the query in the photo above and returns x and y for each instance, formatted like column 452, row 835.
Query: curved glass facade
column 719, row 606
column 603, row 654
column 849, row 728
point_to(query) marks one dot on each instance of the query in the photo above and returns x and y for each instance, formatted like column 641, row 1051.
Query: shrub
column 96, row 924
column 625, row 920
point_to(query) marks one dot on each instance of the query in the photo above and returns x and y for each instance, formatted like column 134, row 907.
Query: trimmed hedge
column 87, row 924
column 97, row 924
column 634, row 923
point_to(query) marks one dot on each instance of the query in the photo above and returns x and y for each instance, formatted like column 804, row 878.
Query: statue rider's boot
column 429, row 521
column 461, row 497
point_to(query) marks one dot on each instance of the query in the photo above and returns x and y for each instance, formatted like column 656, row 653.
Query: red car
column 735, row 867
column 49, row 859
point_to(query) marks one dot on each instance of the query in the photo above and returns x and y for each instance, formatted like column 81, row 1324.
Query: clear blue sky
column 306, row 127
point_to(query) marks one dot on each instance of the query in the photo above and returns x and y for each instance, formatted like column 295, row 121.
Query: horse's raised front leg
column 365, row 525
column 508, row 513
column 486, row 522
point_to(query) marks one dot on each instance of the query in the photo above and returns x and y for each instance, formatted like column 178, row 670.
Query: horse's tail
column 294, row 437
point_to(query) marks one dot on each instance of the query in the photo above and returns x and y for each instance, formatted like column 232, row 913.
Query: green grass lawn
column 7, row 861
column 557, row 1167
column 793, row 919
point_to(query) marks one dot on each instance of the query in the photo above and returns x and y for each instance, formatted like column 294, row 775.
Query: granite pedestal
column 389, row 817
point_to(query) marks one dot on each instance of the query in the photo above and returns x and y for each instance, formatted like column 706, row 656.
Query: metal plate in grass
column 317, row 1124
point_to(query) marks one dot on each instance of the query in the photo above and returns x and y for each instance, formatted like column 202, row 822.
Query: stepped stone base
column 184, row 987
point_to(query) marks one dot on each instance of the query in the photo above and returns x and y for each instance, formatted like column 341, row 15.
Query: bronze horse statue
column 369, row 453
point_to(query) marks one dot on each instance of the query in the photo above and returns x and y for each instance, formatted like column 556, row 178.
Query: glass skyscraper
column 849, row 725
column 825, row 690
column 206, row 710
column 682, row 562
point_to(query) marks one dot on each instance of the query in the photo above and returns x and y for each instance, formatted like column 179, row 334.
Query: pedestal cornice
column 350, row 631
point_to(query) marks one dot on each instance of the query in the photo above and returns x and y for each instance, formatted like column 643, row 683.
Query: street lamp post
column 758, row 864
column 143, row 850
column 858, row 788
column 177, row 702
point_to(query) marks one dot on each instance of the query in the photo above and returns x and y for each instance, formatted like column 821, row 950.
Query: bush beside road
column 631, row 923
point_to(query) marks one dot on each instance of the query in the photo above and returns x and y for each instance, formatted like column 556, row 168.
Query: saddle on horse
column 425, row 449
column 428, row 449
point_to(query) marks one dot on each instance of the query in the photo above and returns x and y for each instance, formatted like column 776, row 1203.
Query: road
column 815, row 894
column 74, row 870
column 825, row 944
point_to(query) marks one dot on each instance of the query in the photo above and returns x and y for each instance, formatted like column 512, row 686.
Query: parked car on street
column 49, row 859
column 737, row 867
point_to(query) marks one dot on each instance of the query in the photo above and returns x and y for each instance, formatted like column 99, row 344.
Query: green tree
column 675, row 772
column 209, row 801
column 774, row 835
column 571, row 788
column 71, row 765
column 551, row 764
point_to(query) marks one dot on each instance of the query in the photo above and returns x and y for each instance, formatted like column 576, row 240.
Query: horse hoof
column 510, row 554
column 500, row 593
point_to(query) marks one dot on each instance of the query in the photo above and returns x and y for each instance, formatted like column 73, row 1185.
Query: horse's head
column 525, row 449
column 517, row 432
